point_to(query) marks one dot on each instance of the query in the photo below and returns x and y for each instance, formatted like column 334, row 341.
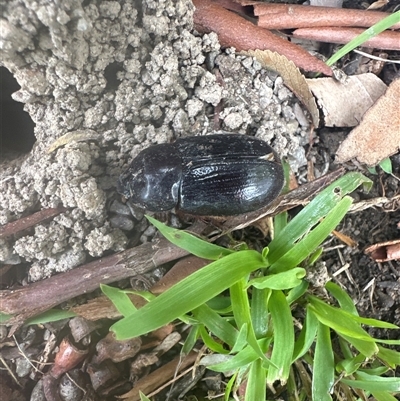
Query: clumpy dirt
column 115, row 77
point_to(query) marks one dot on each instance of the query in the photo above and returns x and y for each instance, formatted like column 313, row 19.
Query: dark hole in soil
column 110, row 73
column 16, row 126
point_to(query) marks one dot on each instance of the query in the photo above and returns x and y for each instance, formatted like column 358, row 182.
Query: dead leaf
column 384, row 251
column 344, row 105
column 378, row 135
column 292, row 77
column 378, row 4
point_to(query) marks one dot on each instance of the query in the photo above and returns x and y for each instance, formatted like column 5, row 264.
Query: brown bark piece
column 387, row 40
column 285, row 16
column 235, row 31
column 378, row 134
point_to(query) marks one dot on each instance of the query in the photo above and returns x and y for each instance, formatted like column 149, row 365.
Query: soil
column 110, row 79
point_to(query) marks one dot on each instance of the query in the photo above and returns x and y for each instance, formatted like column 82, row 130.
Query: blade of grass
column 259, row 311
column 383, row 396
column 374, row 383
column 241, row 359
column 367, row 34
column 119, row 299
column 304, row 247
column 317, row 209
column 202, row 285
column 52, row 315
column 324, row 368
column 256, row 387
column 241, row 312
column 307, row 335
column 281, row 281
column 327, row 309
column 216, row 324
column 282, row 351
column 190, row 242
column 345, row 301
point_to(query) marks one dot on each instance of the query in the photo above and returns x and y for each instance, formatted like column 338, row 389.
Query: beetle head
column 153, row 179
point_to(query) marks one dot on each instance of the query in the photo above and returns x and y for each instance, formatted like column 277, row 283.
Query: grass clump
column 242, row 307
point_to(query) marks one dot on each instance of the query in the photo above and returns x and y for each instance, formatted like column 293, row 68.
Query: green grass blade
column 143, row 397
column 317, row 209
column 283, row 346
column 366, row 347
column 189, row 293
column 303, row 248
column 119, row 299
column 307, row 335
column 190, row 242
column 389, row 356
column 190, row 340
column 241, row 359
column 373, row 383
column 383, row 396
column 4, row 317
column 52, row 315
column 324, row 368
column 256, row 386
column 297, row 292
column 346, row 316
column 281, row 281
column 367, row 34
column 259, row 312
column 242, row 314
column 219, row 326
column 210, row 343
column 345, row 301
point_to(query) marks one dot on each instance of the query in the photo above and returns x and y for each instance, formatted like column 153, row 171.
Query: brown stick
column 287, row 16
column 42, row 295
column 235, row 31
column 29, row 221
column 388, row 40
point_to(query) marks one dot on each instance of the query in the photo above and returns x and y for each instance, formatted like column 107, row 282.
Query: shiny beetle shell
column 214, row 175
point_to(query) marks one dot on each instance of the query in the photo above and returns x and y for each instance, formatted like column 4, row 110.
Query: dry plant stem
column 43, row 295
column 387, row 40
column 27, row 222
column 287, row 16
column 235, row 31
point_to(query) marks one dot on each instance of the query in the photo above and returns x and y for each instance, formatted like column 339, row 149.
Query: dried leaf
column 344, row 105
column 378, row 4
column 292, row 77
column 384, row 251
column 378, row 135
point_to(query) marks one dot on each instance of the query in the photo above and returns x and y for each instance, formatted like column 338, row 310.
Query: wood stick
column 27, row 222
column 43, row 295
column 288, row 16
column 235, row 31
column 388, row 40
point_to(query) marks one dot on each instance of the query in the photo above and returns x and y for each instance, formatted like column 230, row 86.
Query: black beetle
column 214, row 175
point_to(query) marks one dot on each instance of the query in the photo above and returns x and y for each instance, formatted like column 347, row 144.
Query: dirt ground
column 112, row 78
